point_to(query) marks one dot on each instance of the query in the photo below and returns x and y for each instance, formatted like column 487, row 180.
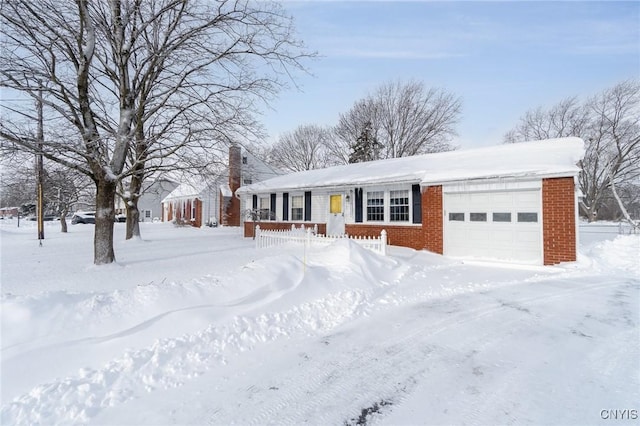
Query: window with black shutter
column 416, row 202
column 358, row 201
column 285, row 206
column 307, row 206
column 272, row 207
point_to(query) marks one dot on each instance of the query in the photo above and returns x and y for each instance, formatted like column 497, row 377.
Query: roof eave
column 510, row 176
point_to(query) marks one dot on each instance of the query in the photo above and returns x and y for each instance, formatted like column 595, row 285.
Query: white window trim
column 268, row 208
column 387, row 205
column 291, row 195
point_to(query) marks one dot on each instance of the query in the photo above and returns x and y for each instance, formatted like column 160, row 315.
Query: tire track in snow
column 386, row 370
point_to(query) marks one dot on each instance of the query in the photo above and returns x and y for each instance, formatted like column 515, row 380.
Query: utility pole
column 40, row 168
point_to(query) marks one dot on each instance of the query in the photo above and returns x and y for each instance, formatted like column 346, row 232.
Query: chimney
column 230, row 206
column 235, row 167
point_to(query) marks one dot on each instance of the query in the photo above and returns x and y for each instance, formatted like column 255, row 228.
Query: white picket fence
column 309, row 237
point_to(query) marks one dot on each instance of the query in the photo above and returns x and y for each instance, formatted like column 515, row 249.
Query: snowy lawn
column 195, row 326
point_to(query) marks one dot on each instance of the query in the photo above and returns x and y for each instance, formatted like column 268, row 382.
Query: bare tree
column 609, row 123
column 351, row 124
column 567, row 118
column 63, row 187
column 148, row 86
column 305, row 148
column 405, row 118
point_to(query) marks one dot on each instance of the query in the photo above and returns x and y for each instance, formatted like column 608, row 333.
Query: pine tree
column 367, row 147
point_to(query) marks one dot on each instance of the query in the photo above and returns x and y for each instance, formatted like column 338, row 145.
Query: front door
column 335, row 224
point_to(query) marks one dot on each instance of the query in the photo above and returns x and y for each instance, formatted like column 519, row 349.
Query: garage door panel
column 502, row 236
column 515, row 241
column 530, row 236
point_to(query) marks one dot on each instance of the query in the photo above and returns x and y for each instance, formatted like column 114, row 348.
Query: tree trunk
column 105, row 217
column 133, row 213
column 623, row 209
column 133, row 219
column 63, row 221
column 589, row 212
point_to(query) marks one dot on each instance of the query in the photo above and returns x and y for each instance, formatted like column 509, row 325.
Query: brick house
column 211, row 202
column 514, row 203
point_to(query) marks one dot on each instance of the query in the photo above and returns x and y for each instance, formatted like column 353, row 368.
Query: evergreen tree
column 367, row 147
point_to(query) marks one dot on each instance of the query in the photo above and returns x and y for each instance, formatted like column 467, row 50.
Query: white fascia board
column 246, row 190
column 506, row 178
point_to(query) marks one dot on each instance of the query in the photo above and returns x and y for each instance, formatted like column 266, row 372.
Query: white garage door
column 503, row 225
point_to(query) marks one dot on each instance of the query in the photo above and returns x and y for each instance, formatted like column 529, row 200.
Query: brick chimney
column 235, row 167
column 230, row 207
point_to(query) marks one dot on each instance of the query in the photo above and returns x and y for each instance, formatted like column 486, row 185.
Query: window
column 264, row 208
column 147, row 214
column 247, row 181
column 478, row 217
column 297, row 204
column 335, row 204
column 502, row 217
column 193, row 210
column 375, row 206
column 456, row 217
column 527, row 217
column 399, row 206
column 244, row 160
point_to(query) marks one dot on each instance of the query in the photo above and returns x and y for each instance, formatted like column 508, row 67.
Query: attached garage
column 503, row 225
column 512, row 203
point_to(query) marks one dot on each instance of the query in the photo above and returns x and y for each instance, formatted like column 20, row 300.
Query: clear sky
column 502, row 58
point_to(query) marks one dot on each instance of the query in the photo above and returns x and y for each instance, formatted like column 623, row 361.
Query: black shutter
column 272, row 207
column 307, row 206
column 255, row 201
column 416, row 196
column 358, row 205
column 285, row 206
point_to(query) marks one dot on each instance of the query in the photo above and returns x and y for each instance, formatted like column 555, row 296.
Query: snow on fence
column 310, row 237
column 621, row 228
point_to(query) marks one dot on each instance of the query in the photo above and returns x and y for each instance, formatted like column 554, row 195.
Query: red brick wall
column 406, row 236
column 282, row 226
column 432, row 219
column 230, row 208
column 559, row 220
column 198, row 219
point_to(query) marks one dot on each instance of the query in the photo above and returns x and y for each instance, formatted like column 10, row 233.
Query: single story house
column 512, row 202
column 213, row 201
column 9, row 212
column 189, row 204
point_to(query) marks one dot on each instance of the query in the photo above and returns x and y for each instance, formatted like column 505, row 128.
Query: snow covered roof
column 546, row 158
column 226, row 190
column 184, row 190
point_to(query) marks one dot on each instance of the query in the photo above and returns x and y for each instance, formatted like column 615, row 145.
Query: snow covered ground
column 195, row 326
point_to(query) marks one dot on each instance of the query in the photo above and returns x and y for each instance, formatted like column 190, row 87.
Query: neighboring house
column 150, row 202
column 515, row 202
column 190, row 204
column 9, row 212
column 211, row 202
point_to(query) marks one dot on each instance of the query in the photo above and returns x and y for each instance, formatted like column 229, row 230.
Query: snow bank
column 353, row 315
column 621, row 253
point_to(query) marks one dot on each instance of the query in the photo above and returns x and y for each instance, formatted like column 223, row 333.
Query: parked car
column 45, row 218
column 83, row 217
column 121, row 217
